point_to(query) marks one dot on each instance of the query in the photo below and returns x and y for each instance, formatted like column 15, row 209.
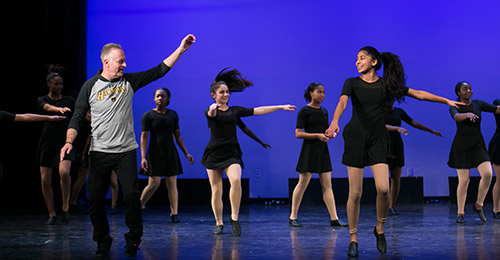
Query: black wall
column 37, row 33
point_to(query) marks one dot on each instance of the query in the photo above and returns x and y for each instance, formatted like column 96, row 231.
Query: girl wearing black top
column 314, row 155
column 51, row 140
column 494, row 151
column 365, row 137
column 162, row 158
column 223, row 152
column 396, row 159
column 468, row 149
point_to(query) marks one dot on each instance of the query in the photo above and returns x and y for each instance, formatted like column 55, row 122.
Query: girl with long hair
column 365, row 137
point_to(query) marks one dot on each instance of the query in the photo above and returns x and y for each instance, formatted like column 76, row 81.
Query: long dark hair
column 309, row 89
column 232, row 79
column 394, row 76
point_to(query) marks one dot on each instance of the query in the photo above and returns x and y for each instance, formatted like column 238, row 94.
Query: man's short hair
column 106, row 49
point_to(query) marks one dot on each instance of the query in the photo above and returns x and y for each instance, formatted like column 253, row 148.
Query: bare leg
column 463, row 184
column 395, row 184
column 298, row 193
column 173, row 196
column 77, row 187
column 353, row 202
column 48, row 196
column 233, row 173
column 496, row 189
column 215, row 178
column 484, row 170
column 65, row 182
column 325, row 180
column 381, row 178
column 114, row 189
column 149, row 190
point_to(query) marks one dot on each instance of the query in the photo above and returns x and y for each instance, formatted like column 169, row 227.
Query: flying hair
column 233, row 79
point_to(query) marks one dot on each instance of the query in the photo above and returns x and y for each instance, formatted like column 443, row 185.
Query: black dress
column 366, row 140
column 162, row 156
column 223, row 148
column 394, row 117
column 468, row 149
column 53, row 134
column 314, row 154
column 494, row 146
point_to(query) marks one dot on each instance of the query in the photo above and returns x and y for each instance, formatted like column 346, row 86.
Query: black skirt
column 314, row 157
column 494, row 148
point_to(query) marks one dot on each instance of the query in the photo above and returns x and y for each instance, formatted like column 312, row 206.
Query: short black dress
column 162, row 156
column 223, row 148
column 468, row 149
column 494, row 146
column 394, row 117
column 314, row 154
column 53, row 134
column 366, row 140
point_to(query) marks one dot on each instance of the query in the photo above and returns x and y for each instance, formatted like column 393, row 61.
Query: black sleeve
column 6, row 118
column 241, row 124
column 347, row 88
column 145, row 122
column 243, row 111
column 453, row 112
column 487, row 107
column 141, row 79
column 41, row 101
column 82, row 105
column 301, row 118
column 405, row 117
column 496, row 102
column 176, row 120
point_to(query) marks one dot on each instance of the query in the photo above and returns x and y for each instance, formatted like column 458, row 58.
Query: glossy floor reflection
column 426, row 231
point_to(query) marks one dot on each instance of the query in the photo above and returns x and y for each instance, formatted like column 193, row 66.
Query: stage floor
column 420, row 231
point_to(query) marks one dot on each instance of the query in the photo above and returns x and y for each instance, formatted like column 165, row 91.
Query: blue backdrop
column 282, row 46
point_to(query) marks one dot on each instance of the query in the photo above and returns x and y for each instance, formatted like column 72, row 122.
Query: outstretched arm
column 424, row 128
column 269, row 109
column 249, row 132
column 180, row 143
column 333, row 130
column 424, row 95
column 392, row 128
column 184, row 46
column 36, row 118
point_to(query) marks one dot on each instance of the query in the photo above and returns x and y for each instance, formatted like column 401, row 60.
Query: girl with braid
column 223, row 152
column 366, row 139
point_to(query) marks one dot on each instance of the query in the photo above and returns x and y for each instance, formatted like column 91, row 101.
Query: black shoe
column 103, row 248
column 175, row 219
column 460, row 219
column 294, row 223
column 65, row 217
column 480, row 213
column 353, row 249
column 131, row 250
column 236, row 227
column 496, row 215
column 51, row 221
column 381, row 243
column 218, row 230
column 338, row 223
column 393, row 211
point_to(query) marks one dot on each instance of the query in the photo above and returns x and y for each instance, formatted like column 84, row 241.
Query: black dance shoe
column 103, row 248
column 338, row 223
column 294, row 223
column 353, row 249
column 65, row 217
column 51, row 221
column 480, row 213
column 460, row 219
column 381, row 243
column 131, row 250
column 393, row 211
column 496, row 215
column 236, row 227
column 218, row 230
column 175, row 219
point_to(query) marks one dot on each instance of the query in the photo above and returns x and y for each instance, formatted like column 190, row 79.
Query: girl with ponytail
column 223, row 152
column 365, row 137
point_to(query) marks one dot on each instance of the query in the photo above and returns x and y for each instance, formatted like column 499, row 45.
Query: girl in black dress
column 396, row 160
column 366, row 139
column 162, row 158
column 223, row 152
column 314, row 155
column 52, row 139
column 494, row 151
column 468, row 149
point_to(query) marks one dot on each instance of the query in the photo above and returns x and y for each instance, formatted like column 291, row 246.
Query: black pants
column 100, row 167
